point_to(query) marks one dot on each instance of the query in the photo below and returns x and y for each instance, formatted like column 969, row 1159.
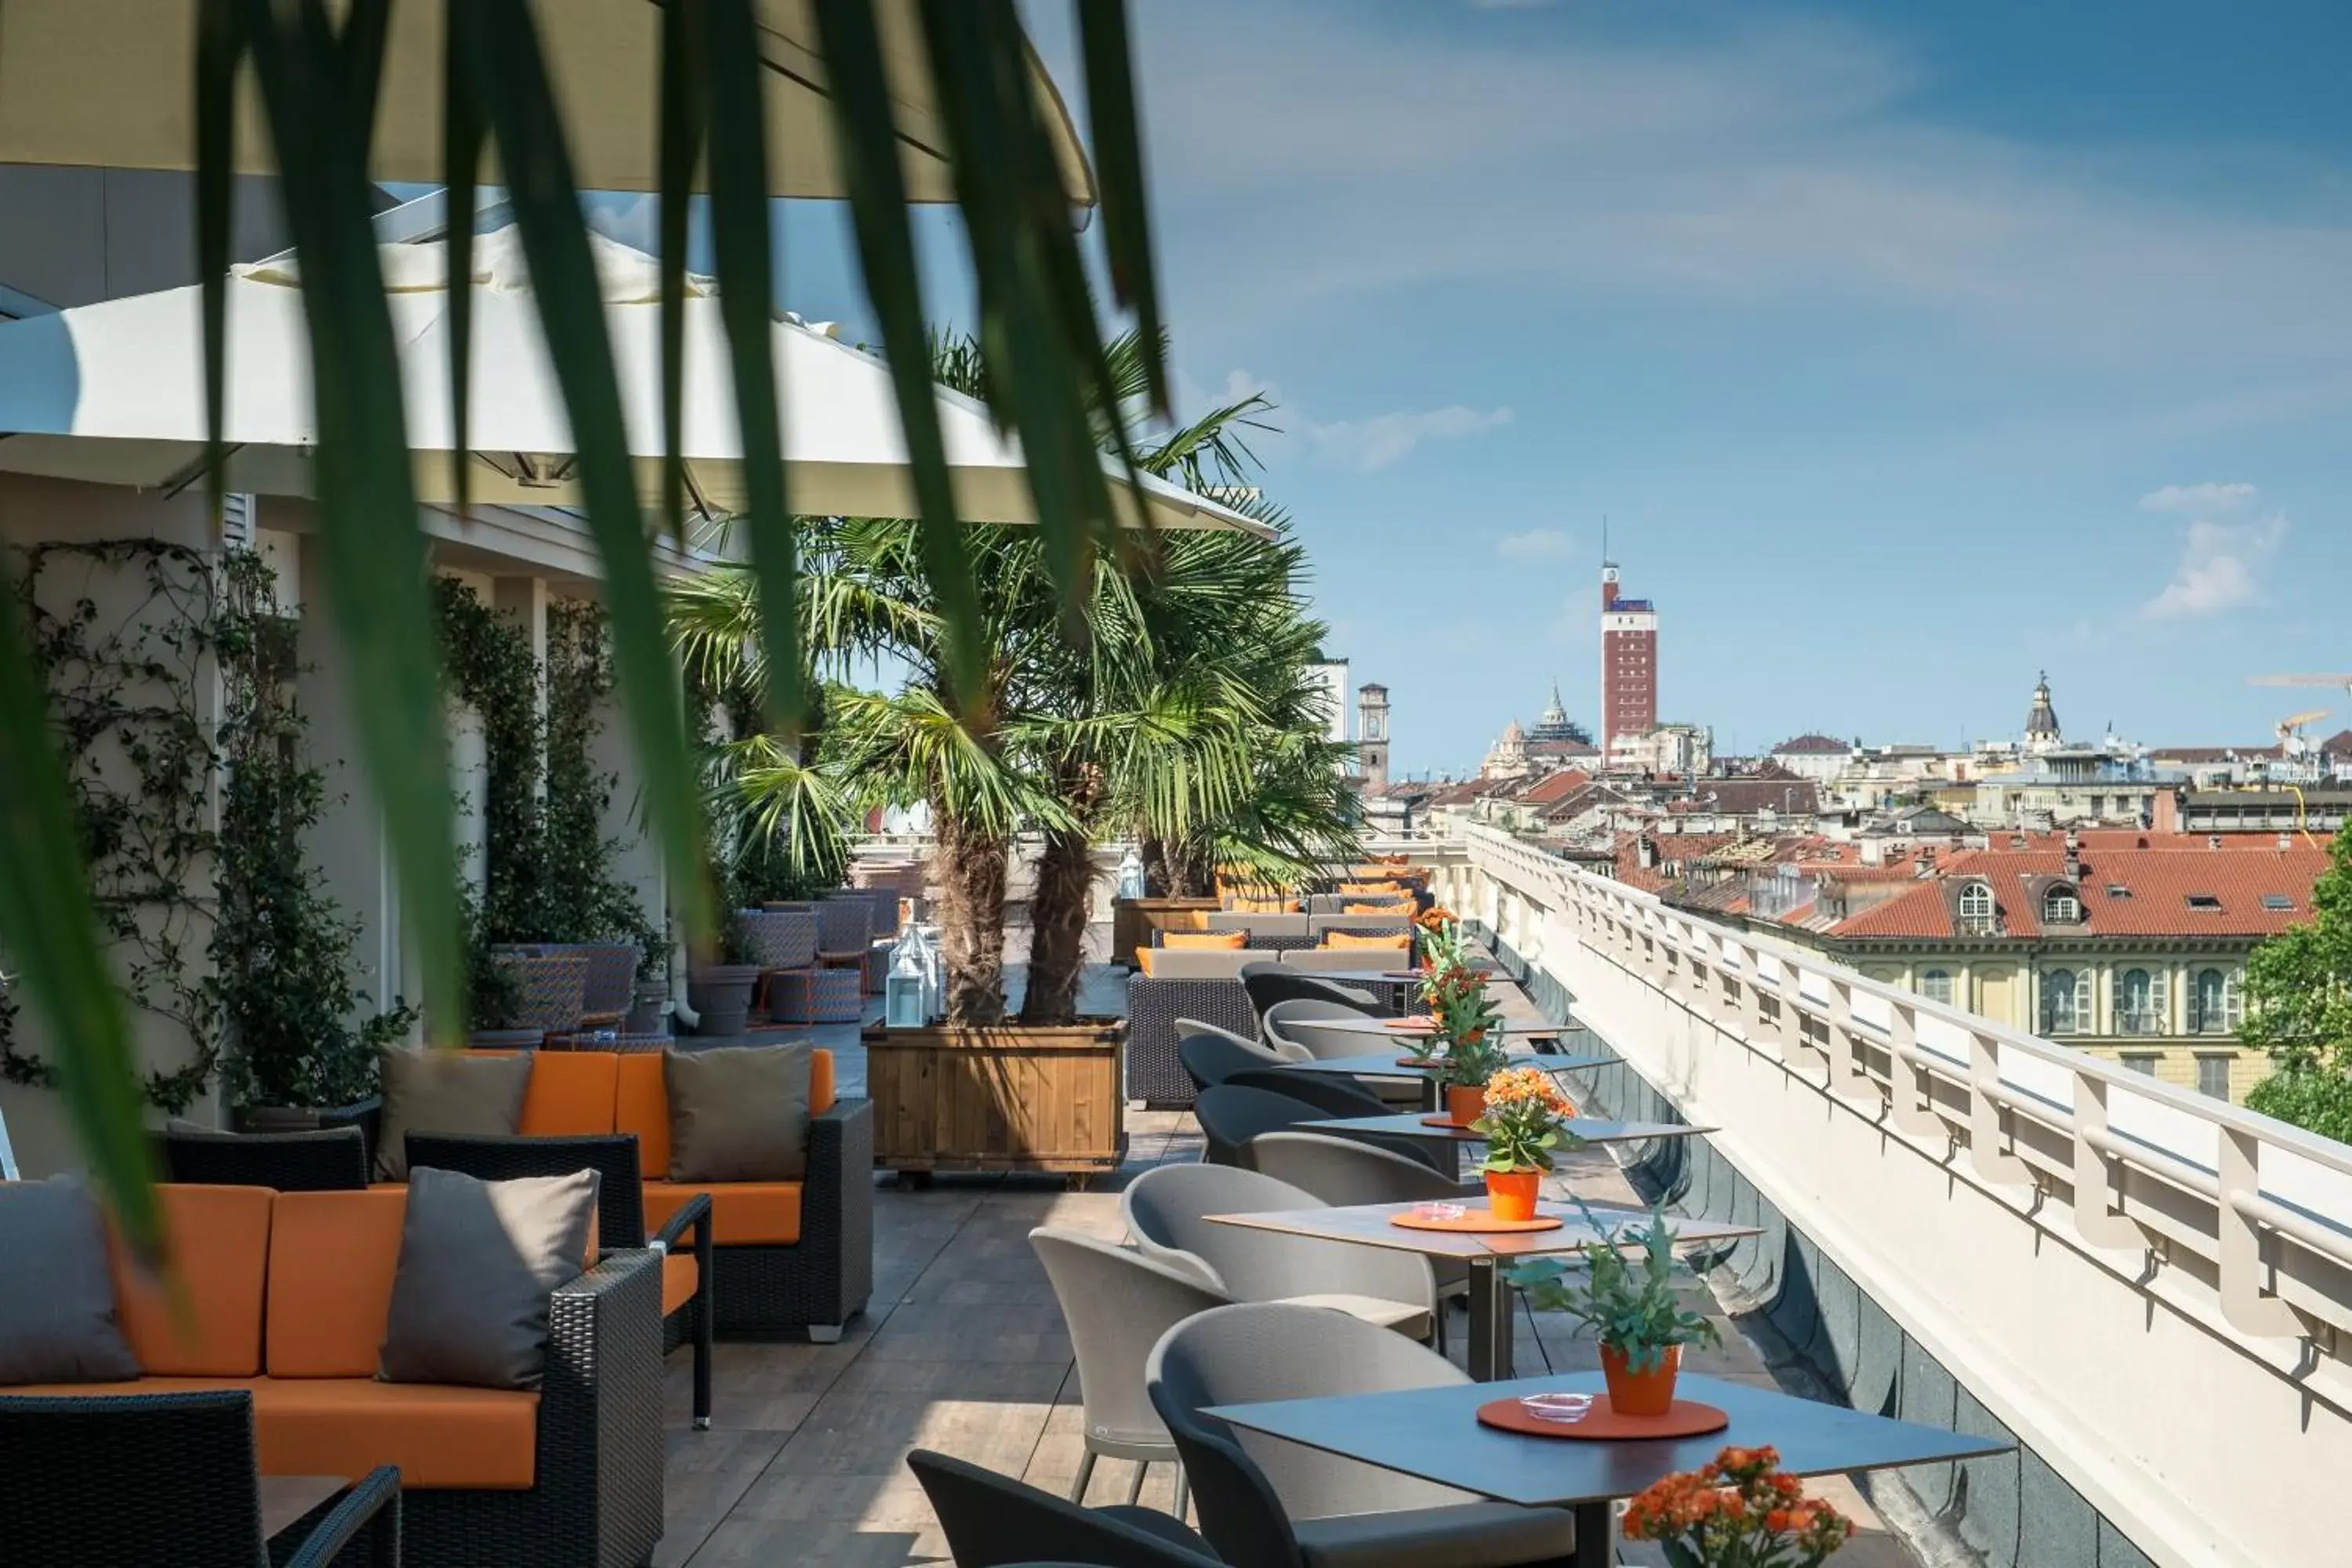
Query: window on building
column 2278, row 903
column 2117, row 891
column 1976, row 904
column 2060, row 907
column 2065, row 1003
column 2142, row 1062
column 2206, row 902
column 2214, row 1075
column 2215, row 1006
column 2140, row 1002
column 1936, row 985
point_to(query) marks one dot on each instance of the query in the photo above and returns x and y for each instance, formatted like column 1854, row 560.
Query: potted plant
column 1522, row 1124
column 1631, row 1307
column 1742, row 1510
column 719, row 992
column 1467, row 1033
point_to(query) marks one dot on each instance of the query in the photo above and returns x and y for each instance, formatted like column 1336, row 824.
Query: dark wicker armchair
column 620, row 1217
column 333, row 1160
column 168, row 1478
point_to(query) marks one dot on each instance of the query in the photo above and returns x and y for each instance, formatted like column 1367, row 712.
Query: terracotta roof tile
column 2256, row 891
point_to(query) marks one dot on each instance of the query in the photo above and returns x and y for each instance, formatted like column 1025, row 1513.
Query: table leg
column 1596, row 1535
column 1433, row 1095
column 1490, row 1322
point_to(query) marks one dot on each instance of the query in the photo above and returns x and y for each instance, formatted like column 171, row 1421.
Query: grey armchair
column 1269, row 1504
column 1267, row 983
column 1166, row 1210
column 1344, row 1171
column 994, row 1521
column 1117, row 1302
column 1230, row 1116
column 1294, row 1021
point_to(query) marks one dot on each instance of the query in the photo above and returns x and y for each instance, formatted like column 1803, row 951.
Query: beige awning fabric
column 110, row 84
column 113, row 393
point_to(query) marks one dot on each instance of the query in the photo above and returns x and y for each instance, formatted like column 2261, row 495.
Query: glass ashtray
column 1436, row 1212
column 1562, row 1408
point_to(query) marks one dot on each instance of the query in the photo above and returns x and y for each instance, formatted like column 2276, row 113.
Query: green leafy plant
column 1468, row 1025
column 1630, row 1304
column 2299, row 1008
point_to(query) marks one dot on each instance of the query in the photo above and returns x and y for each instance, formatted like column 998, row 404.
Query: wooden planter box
column 1007, row 1099
column 1132, row 921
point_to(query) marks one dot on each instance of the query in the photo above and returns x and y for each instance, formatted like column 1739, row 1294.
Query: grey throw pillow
column 461, row 1093
column 740, row 1113
column 58, row 1319
column 477, row 1262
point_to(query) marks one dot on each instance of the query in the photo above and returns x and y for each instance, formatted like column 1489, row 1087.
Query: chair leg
column 1135, row 1485
column 1184, row 1490
column 825, row 1333
column 702, row 1336
column 1086, row 1474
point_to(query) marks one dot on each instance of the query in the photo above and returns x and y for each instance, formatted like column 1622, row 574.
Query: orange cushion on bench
column 679, row 1277
column 1208, row 940
column 220, row 1244
column 332, row 1259
column 571, row 1094
column 742, row 1214
column 1342, row 939
column 439, row 1436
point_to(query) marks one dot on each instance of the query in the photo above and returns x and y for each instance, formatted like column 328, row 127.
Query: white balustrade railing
column 2239, row 1225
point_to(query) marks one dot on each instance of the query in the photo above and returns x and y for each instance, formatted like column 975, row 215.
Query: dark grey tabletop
column 1368, row 1225
column 1384, row 1064
column 1409, row 1124
column 1523, row 1028
column 1434, row 1432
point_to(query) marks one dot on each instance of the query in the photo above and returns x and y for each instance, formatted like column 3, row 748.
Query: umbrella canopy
column 113, row 393
column 111, row 84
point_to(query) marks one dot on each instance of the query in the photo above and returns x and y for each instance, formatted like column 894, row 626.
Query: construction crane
column 2344, row 681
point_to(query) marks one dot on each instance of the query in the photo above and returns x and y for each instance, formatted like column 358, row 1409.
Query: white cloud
column 2200, row 499
column 1376, row 441
column 2221, row 563
column 1535, row 544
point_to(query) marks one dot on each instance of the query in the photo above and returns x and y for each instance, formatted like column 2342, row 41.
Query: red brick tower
column 1629, row 664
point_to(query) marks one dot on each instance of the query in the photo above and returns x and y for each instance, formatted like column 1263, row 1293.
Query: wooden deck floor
column 963, row 1351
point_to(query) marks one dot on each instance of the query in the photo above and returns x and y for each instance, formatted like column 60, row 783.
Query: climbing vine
column 222, row 929
column 490, row 668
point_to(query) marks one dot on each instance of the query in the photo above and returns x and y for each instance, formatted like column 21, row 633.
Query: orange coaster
column 1444, row 1122
column 1411, row 1025
column 1684, row 1419
column 1401, row 974
column 1419, row 1061
column 1475, row 1221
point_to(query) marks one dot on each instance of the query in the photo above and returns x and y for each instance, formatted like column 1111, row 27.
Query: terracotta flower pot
column 1511, row 1195
column 1465, row 1102
column 1648, row 1392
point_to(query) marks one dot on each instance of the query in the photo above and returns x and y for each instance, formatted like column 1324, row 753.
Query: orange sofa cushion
column 571, row 1094
column 679, row 1277
column 742, row 1214
column 641, row 1105
column 440, row 1437
column 332, row 1259
column 1371, row 908
column 1387, row 943
column 1206, row 940
column 220, row 1246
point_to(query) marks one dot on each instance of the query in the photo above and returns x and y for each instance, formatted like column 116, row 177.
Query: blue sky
column 1909, row 349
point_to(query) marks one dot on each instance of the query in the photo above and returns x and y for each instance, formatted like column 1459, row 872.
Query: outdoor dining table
column 1525, row 1029
column 1584, row 1129
column 1389, row 1064
column 1435, row 1434
column 1371, row 1225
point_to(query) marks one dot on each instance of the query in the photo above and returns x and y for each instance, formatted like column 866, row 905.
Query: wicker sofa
column 287, row 1299
column 787, row 1255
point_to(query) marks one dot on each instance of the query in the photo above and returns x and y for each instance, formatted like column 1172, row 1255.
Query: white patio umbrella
column 113, row 393
column 110, row 84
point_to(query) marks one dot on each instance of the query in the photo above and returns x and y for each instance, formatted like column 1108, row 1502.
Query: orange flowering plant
column 1469, row 1023
column 1740, row 1511
column 1522, row 1123
column 1436, row 919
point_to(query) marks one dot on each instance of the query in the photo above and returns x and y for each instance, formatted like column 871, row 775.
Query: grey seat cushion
column 1411, row 1321
column 57, row 1321
column 740, row 1113
column 460, row 1093
column 478, row 1263
column 1472, row 1535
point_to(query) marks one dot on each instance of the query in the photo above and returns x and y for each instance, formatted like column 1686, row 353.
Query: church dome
column 2042, row 724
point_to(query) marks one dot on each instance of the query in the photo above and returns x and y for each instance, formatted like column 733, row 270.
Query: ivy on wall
column 222, row 927
column 547, row 873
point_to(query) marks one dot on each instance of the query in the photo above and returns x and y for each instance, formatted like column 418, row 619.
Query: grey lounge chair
column 1344, row 1171
column 1339, row 1097
column 1268, row 984
column 1268, row 1504
column 1295, row 1022
column 1210, row 1055
column 994, row 1521
column 1230, row 1116
column 1117, row 1303
column 1166, row 1210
